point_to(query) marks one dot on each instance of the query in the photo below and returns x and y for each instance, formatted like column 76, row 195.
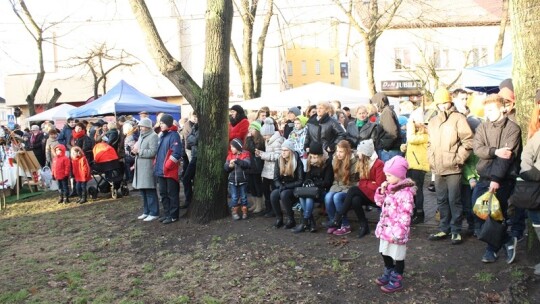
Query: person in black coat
column 323, row 129
column 36, row 144
column 361, row 128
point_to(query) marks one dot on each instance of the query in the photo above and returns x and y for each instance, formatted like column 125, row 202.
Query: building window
column 441, row 58
column 402, row 59
column 331, row 63
column 344, row 69
column 317, row 67
column 304, row 68
column 479, row 56
column 289, row 68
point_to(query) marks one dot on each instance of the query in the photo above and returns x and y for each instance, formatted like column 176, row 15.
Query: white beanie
column 366, row 147
column 268, row 128
column 288, row 144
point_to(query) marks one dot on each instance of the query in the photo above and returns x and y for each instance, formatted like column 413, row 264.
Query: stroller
column 108, row 173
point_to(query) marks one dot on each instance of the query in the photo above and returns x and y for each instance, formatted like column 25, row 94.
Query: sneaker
column 142, row 216
column 235, row 216
column 489, row 257
column 169, row 220
column 438, row 236
column 150, row 218
column 456, row 239
column 384, row 278
column 244, row 216
column 331, row 230
column 510, row 248
column 344, row 230
column 395, row 283
column 162, row 218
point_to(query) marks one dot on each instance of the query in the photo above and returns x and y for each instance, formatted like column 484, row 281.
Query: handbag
column 526, row 195
column 492, row 231
column 308, row 190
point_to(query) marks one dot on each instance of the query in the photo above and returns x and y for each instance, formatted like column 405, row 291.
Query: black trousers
column 283, row 200
column 169, row 193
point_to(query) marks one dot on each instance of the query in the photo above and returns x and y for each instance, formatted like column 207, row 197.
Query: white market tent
column 303, row 96
column 60, row 112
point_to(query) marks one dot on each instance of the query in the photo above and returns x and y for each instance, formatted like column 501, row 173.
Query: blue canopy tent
column 124, row 99
column 487, row 78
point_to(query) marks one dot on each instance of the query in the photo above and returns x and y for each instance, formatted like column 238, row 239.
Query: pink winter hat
column 397, row 166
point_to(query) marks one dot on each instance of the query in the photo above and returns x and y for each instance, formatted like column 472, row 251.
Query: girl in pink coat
column 396, row 198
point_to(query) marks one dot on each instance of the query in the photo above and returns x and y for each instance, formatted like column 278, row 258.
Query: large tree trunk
column 369, row 47
column 260, row 49
column 54, row 99
column 502, row 30
column 525, row 16
column 210, row 102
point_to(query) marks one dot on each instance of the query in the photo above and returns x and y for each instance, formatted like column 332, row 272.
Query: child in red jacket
column 81, row 172
column 61, row 168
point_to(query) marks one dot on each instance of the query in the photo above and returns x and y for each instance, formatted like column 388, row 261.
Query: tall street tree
column 525, row 21
column 251, row 86
column 209, row 101
column 370, row 21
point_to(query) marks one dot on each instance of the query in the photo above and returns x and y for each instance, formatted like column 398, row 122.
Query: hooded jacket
column 271, row 154
column 61, row 166
column 81, row 168
column 168, row 154
column 450, row 142
column 388, row 133
column 417, row 145
column 326, row 131
column 491, row 136
column 376, row 178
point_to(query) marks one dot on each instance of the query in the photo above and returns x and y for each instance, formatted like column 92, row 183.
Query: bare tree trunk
column 525, row 16
column 211, row 102
column 260, row 49
column 369, row 47
column 502, row 29
column 54, row 99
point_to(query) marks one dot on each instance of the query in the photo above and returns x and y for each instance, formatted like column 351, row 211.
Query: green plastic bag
column 482, row 207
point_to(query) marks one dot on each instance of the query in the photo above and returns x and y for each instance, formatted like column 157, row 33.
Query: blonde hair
column 327, row 107
column 363, row 167
column 342, row 167
column 75, row 151
column 111, row 125
column 287, row 166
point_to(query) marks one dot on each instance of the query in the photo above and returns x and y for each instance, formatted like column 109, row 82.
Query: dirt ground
column 100, row 253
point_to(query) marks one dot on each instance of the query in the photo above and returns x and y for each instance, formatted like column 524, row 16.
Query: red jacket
column 240, row 130
column 376, row 178
column 81, row 169
column 61, row 166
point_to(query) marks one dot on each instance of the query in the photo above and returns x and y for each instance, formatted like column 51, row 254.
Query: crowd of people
column 340, row 159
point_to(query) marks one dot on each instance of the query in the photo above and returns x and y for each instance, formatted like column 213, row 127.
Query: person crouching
column 236, row 165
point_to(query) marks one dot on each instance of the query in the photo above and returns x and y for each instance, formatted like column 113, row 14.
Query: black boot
column 290, row 222
column 79, row 200
column 66, row 200
column 418, row 217
column 301, row 227
column 312, row 224
column 363, row 230
column 60, row 199
column 279, row 223
column 83, row 199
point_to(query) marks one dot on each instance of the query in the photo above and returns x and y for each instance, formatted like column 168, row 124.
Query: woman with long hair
column 344, row 167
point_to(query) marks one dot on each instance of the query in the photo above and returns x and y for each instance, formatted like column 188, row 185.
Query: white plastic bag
column 45, row 174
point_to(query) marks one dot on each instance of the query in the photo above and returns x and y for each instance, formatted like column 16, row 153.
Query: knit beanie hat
column 303, row 120
column 288, row 144
column 366, row 147
column 397, row 166
column 315, row 148
column 268, row 127
column 295, row 111
column 167, row 120
column 237, row 144
column 255, row 125
column 441, row 96
column 506, row 89
column 144, row 122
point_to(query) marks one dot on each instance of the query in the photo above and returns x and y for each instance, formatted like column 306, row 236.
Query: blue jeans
column 307, row 206
column 385, row 155
column 81, row 188
column 150, row 202
column 63, row 186
column 334, row 202
column 534, row 216
column 238, row 192
column 505, row 189
column 448, row 189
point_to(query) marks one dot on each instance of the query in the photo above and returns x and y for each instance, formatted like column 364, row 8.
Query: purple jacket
column 397, row 207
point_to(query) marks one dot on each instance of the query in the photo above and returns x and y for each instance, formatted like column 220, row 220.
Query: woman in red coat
column 81, row 172
column 238, row 123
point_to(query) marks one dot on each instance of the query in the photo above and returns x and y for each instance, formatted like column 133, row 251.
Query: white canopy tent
column 306, row 95
column 60, row 112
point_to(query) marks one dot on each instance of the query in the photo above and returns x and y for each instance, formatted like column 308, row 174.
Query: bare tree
column 251, row 86
column 370, row 22
column 525, row 17
column 101, row 61
column 502, row 30
column 36, row 31
column 210, row 102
